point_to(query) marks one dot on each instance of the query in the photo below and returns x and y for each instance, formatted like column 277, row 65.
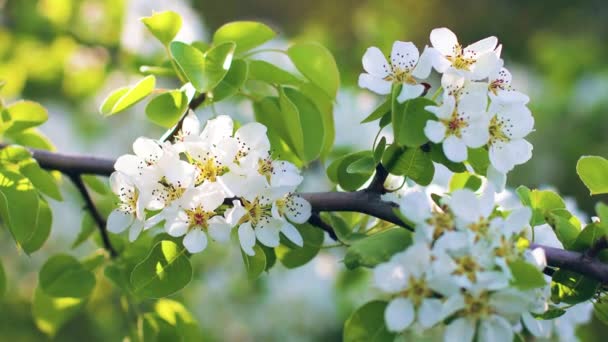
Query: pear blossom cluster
column 457, row 274
column 478, row 108
column 207, row 182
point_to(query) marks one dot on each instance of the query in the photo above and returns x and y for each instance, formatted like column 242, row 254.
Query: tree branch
column 99, row 220
column 377, row 184
column 363, row 201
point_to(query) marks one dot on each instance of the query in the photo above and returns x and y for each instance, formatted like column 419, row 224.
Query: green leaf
column 542, row 202
column 588, row 236
column 167, row 108
column 154, row 328
column 87, row 228
column 465, row 180
column 256, row 264
column 337, row 171
column 291, row 120
column 479, row 159
column 378, row 113
column 63, row 276
column 593, row 171
column 123, row 98
column 413, row 163
column 232, row 83
column 2, row 281
column 552, row 313
column 18, row 205
column 292, row 256
column 365, row 165
column 379, row 150
column 94, row 183
column 409, row 124
column 51, row 313
column 204, row 71
column 42, row 180
column 325, row 105
column 267, row 72
column 367, row 324
column 163, row 272
column 377, row 248
column 344, row 231
column 246, row 35
column 311, row 122
column 565, row 231
column 176, row 314
column 163, row 25
column 600, row 309
column 572, row 288
column 525, row 275
column 42, row 229
column 317, row 64
column 23, row 115
column 33, row 138
column 602, row 212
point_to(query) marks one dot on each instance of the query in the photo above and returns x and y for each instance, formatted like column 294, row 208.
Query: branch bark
column 364, row 201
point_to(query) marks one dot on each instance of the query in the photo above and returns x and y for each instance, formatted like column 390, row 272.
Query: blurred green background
column 68, row 54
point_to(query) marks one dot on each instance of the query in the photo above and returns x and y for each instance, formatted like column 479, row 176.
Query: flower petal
column 399, row 314
column 247, row 238
column 495, row 329
column 118, row 221
column 461, row 330
column 298, row 209
column 176, row 227
column 375, row 84
column 484, row 65
column 147, row 149
column 415, row 206
column 375, row 63
column 429, row 312
column 410, row 91
column 135, row 229
column 268, row 233
column 292, row 233
column 404, row 55
column 425, row 63
column 195, row 241
column 444, row 40
column 455, row 149
column 219, row 229
column 480, row 47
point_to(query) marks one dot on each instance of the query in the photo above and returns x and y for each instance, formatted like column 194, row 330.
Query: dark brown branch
column 599, row 245
column 196, row 101
column 377, row 184
column 365, row 202
column 99, row 220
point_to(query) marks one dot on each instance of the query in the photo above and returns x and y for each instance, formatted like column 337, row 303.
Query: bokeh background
column 68, row 54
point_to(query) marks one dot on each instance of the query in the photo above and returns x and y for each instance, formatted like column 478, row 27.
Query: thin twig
column 99, row 220
column 595, row 249
column 316, row 220
column 377, row 184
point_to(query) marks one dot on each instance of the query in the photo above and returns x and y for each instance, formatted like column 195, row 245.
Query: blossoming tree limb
column 466, row 265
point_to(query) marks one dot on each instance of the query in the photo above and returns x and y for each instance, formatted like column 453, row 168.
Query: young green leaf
column 63, row 276
column 379, row 150
column 311, row 122
column 41, row 179
column 51, row 313
column 23, row 115
column 291, row 119
column 292, row 256
column 19, row 205
column 367, row 324
column 123, row 98
column 232, row 83
column 87, row 228
column 42, row 230
column 2, row 281
column 365, row 165
column 526, row 276
column 317, row 64
column 94, row 183
column 377, row 248
column 163, row 25
column 256, row 264
column 268, row 72
column 593, row 171
column 337, row 171
column 246, row 35
column 409, row 124
column 465, row 180
column 163, row 272
column 572, row 288
column 378, row 113
column 413, row 163
column 167, row 108
column 204, row 71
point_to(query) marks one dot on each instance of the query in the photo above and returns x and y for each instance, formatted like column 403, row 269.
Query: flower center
column 172, row 191
column 401, row 76
column 197, row 217
column 208, row 169
column 255, row 212
column 265, row 167
column 128, row 197
column 467, row 266
column 417, row 290
column 459, row 61
column 442, row 222
column 499, row 130
column 455, row 124
column 477, row 307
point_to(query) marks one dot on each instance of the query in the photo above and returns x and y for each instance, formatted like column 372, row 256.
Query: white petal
column 292, row 233
column 375, row 84
column 435, row 131
column 299, row 210
column 497, row 178
column 191, row 125
column 461, row 330
column 495, row 329
column 130, row 165
column 254, row 136
column 268, row 233
column 451, row 81
column 399, row 314
column 219, row 230
column 247, row 238
column 429, row 312
column 444, row 40
column 147, row 149
column 484, row 65
column 520, row 121
column 519, row 218
column 375, row 63
column 404, row 55
column 445, row 110
column 409, row 91
column 455, row 149
column 480, row 47
column 415, row 206
column 217, row 128
column 180, row 173
column 537, row 327
column 118, row 221
column 425, row 63
column 390, row 277
column 176, row 228
column 476, row 134
column 195, row 241
column 135, row 229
